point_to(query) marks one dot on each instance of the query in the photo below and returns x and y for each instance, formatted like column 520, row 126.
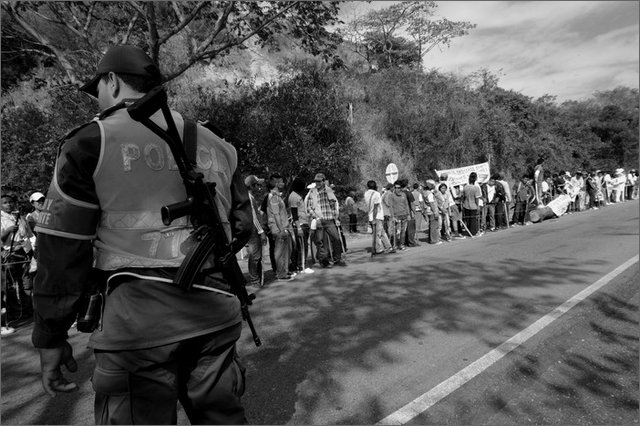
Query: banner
column 559, row 205
column 460, row 175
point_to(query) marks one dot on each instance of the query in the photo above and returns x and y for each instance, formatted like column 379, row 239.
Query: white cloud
column 567, row 49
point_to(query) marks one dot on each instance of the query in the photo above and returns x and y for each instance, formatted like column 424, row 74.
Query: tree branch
column 150, row 16
column 257, row 30
column 183, row 21
column 53, row 7
column 89, row 17
column 130, row 27
column 62, row 59
column 136, row 6
column 221, row 23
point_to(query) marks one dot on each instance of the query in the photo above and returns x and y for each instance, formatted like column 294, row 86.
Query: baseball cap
column 123, row 59
column 36, row 196
column 251, row 180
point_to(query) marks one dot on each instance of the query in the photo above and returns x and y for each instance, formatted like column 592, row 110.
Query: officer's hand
column 50, row 362
column 264, row 238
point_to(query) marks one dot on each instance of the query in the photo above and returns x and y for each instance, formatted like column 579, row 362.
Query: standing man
column 155, row 343
column 577, row 182
column 433, row 211
column 505, row 219
column 418, row 208
column 410, row 234
column 524, row 195
column 258, row 237
column 492, row 198
column 388, row 225
column 399, row 212
column 301, row 225
column 323, row 207
column 538, row 178
column 280, row 226
column 373, row 200
column 350, row 210
column 471, row 202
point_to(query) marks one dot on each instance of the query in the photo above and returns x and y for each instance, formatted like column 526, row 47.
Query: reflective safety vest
column 136, row 175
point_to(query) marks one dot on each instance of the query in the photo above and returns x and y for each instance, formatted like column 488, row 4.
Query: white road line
column 426, row 400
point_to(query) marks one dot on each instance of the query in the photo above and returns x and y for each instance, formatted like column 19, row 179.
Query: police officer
column 156, row 343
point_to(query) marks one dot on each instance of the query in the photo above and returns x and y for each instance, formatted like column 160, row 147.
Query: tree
column 388, row 52
column 618, row 129
column 31, row 134
column 383, row 29
column 76, row 34
column 297, row 127
column 428, row 33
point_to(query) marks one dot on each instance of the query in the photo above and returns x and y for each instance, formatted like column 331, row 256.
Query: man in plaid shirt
column 323, row 207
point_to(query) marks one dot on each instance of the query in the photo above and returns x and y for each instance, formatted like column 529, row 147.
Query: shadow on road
column 350, row 322
column 586, row 374
column 21, row 380
column 318, row 330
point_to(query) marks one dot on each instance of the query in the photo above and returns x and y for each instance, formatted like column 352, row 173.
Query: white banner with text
column 460, row 175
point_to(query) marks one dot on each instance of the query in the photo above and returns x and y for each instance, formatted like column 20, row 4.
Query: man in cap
column 258, row 236
column 323, row 207
column 155, row 343
column 37, row 201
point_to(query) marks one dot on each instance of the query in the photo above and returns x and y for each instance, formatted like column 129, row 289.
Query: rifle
column 209, row 235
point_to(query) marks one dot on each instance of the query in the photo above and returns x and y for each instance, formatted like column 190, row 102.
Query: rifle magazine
column 194, row 260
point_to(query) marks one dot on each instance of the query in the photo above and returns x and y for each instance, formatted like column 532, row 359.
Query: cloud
column 567, row 49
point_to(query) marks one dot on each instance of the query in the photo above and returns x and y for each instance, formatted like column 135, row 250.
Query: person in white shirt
column 618, row 186
column 373, row 201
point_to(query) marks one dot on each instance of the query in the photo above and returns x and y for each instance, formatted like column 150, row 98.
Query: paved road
column 354, row 345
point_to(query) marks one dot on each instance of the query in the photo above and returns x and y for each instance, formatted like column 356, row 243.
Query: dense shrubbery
column 301, row 126
column 33, row 121
column 441, row 121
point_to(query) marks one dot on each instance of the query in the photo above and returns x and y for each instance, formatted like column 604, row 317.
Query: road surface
column 358, row 345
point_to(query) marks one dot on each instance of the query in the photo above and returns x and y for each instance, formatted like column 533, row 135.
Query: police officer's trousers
column 143, row 386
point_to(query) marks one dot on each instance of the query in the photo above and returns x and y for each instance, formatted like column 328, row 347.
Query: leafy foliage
column 441, row 121
column 177, row 35
column 297, row 128
column 31, row 135
column 376, row 36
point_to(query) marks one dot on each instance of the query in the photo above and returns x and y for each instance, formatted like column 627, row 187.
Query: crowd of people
column 19, row 250
column 301, row 226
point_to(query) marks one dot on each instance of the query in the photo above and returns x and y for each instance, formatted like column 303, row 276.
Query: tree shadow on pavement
column 29, row 404
column 587, row 373
column 353, row 318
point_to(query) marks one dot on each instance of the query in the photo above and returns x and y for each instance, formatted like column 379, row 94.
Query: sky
column 567, row 49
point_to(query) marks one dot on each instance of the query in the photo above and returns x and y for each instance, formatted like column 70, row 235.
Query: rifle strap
column 191, row 139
